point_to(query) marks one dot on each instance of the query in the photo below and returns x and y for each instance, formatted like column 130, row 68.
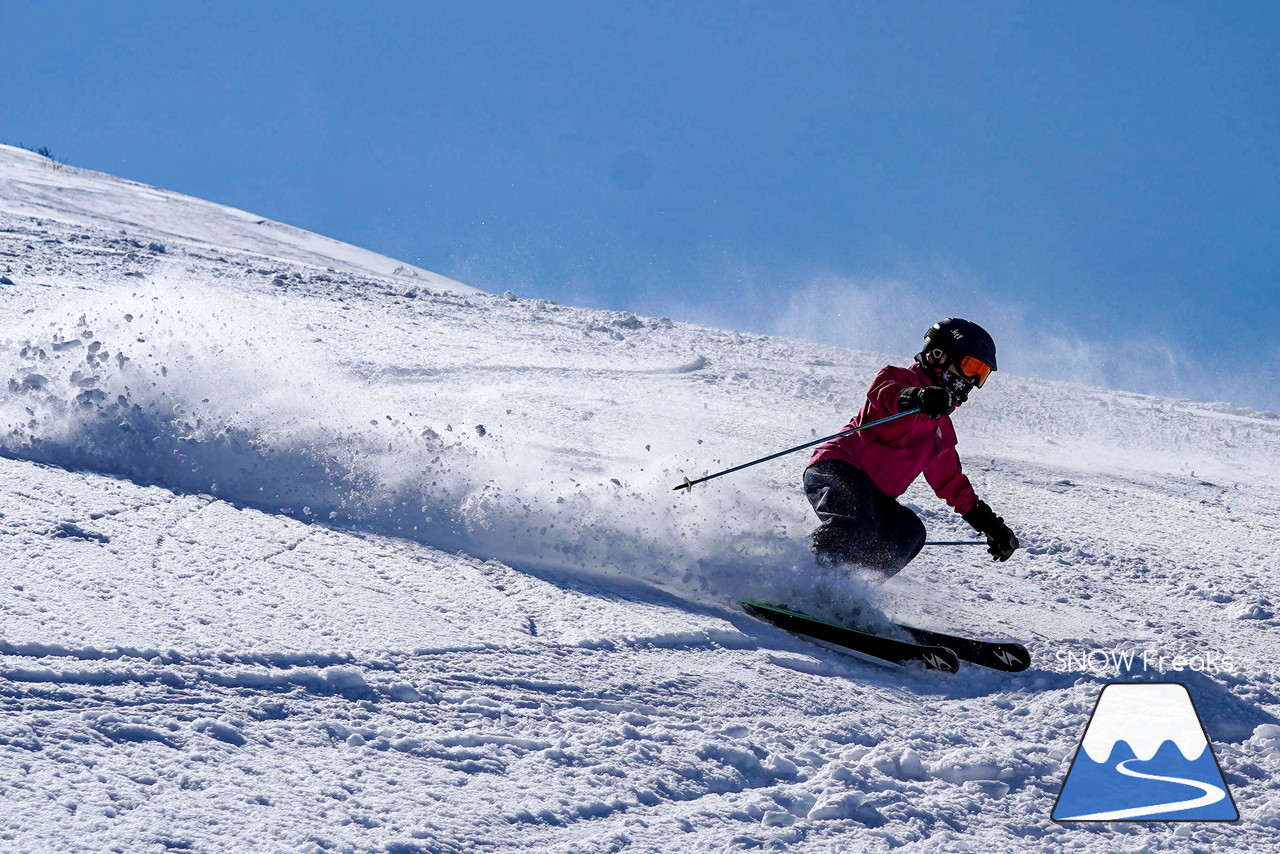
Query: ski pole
column 957, row 543
column 688, row 484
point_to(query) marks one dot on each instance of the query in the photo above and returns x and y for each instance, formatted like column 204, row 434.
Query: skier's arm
column 1001, row 541
column 884, row 394
column 948, row 480
column 889, row 395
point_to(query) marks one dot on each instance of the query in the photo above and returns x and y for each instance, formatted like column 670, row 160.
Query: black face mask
column 958, row 386
column 935, row 365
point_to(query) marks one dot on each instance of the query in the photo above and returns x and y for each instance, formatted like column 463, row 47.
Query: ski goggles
column 974, row 369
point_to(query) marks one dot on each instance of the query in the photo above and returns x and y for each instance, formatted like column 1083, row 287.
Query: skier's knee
column 916, row 542
column 834, row 543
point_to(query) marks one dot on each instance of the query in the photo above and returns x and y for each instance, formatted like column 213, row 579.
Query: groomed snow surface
column 305, row 550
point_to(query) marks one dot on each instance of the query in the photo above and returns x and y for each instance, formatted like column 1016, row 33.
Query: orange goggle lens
column 975, row 369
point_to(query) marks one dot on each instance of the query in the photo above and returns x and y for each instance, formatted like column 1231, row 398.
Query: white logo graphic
column 936, row 662
column 1007, row 657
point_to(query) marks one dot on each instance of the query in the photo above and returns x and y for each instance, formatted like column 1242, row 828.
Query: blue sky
column 1096, row 182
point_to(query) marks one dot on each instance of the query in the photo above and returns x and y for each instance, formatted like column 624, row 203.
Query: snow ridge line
column 318, row 673
column 282, row 660
column 411, row 373
column 348, row 682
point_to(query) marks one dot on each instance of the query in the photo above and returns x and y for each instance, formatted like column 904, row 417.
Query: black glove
column 1001, row 541
column 933, row 400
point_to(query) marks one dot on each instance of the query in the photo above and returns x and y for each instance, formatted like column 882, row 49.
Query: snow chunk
column 1268, row 815
column 837, row 805
column 1266, row 739
column 1256, row 611
column 743, row 760
column 990, row 788
column 906, row 765
column 406, row 693
column 628, row 321
column 221, row 731
column 960, row 772
column 117, row 728
column 777, row 818
column 910, row 765
column 780, row 767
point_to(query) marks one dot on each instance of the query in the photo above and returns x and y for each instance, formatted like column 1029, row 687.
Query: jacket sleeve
column 882, row 397
column 948, row 480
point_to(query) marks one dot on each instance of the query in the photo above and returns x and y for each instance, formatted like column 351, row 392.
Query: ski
column 932, row 656
column 1008, row 656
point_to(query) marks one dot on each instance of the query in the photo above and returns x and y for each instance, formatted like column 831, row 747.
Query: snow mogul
column 853, row 482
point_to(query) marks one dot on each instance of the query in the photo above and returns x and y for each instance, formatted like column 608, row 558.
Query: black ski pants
column 860, row 524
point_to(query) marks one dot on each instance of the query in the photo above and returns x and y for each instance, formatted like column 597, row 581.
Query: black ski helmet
column 948, row 341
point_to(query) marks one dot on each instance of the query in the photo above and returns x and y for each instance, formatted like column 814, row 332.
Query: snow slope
column 307, row 551
column 37, row 187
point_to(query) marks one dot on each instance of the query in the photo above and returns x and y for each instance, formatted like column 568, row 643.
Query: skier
column 853, row 481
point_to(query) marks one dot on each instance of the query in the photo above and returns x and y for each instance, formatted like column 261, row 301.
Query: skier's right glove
column 1001, row 542
column 933, row 400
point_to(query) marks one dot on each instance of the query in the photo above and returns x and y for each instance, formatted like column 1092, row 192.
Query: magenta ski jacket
column 893, row 455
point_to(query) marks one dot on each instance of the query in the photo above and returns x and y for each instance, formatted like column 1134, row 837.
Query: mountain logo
column 1145, row 756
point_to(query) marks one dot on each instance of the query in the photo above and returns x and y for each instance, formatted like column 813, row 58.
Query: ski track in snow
column 270, row 586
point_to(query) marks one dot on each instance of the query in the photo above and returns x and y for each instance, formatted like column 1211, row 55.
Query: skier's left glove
column 1001, row 542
